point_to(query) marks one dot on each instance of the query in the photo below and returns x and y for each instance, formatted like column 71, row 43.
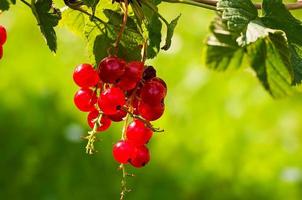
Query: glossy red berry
column 111, row 100
column 149, row 73
column 122, row 151
column 153, row 92
column 105, row 121
column 111, row 69
column 133, row 74
column 119, row 116
column 151, row 112
column 85, row 76
column 140, row 156
column 3, row 35
column 138, row 133
column 85, row 99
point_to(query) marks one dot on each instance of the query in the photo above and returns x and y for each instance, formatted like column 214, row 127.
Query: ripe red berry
column 140, row 156
column 85, row 76
column 122, row 151
column 85, row 99
column 137, row 133
column 151, row 112
column 153, row 92
column 3, row 35
column 105, row 121
column 111, row 69
column 111, row 100
column 120, row 114
column 133, row 74
column 161, row 81
column 149, row 73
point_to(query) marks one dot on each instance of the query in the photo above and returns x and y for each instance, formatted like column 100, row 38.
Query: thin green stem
column 91, row 137
column 193, row 3
column 26, row 3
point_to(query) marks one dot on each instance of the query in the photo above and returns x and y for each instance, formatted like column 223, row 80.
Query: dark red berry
column 85, row 99
column 120, row 114
column 151, row 112
column 111, row 69
column 149, row 73
column 140, row 156
column 133, row 74
column 138, row 133
column 3, row 35
column 122, row 151
column 153, row 92
column 85, row 76
column 111, row 100
column 105, row 122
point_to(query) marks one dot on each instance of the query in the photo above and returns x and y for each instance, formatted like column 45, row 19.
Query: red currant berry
column 3, row 35
column 122, row 151
column 1, row 51
column 105, row 121
column 111, row 69
column 85, row 99
column 111, row 100
column 153, row 92
column 149, row 73
column 151, row 112
column 138, row 134
column 161, row 81
column 85, row 76
column 140, row 156
column 133, row 74
column 119, row 116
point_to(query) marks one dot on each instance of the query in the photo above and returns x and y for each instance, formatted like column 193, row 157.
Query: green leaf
column 154, row 34
column 269, row 57
column 91, row 3
column 170, row 31
column 5, row 4
column 222, row 51
column 237, row 13
column 101, row 34
column 47, row 17
column 276, row 16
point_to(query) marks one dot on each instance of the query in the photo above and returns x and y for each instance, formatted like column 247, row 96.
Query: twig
column 26, row 3
column 149, row 125
column 213, row 3
column 119, row 36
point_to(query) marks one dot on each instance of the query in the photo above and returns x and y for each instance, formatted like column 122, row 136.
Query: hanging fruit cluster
column 3, row 37
column 116, row 91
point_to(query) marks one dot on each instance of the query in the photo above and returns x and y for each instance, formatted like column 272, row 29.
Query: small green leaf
column 47, row 17
column 91, row 3
column 4, row 5
column 276, row 16
column 222, row 51
column 154, row 33
column 237, row 13
column 170, row 32
column 269, row 57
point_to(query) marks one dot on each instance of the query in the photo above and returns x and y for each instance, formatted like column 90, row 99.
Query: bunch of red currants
column 116, row 91
column 3, row 37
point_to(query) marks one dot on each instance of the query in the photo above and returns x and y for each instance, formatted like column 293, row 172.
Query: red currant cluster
column 115, row 91
column 3, row 37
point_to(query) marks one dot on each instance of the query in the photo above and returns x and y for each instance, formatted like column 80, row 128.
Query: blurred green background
column 225, row 137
